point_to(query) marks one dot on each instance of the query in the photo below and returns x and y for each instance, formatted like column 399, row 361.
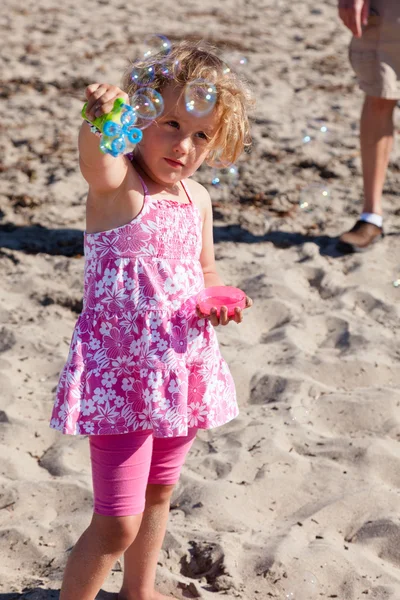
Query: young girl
column 144, row 371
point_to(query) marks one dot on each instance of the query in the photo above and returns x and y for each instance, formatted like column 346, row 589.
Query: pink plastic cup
column 221, row 295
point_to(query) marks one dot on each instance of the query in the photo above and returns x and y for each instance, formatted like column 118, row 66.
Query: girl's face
column 177, row 143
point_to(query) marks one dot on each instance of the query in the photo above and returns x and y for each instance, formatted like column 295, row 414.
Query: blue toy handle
column 117, row 128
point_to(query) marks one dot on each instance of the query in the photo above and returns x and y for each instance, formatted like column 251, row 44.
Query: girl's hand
column 223, row 318
column 101, row 97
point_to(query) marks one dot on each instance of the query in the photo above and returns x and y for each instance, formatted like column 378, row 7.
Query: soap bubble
column 156, row 44
column 316, row 131
column 128, row 116
column 301, row 587
column 226, row 69
column 313, row 196
column 239, row 62
column 142, row 76
column 200, row 97
column 148, row 105
column 228, row 176
column 169, row 69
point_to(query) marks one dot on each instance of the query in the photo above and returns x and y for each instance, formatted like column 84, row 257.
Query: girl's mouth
column 173, row 163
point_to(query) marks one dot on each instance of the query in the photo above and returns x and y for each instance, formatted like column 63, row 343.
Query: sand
column 300, row 494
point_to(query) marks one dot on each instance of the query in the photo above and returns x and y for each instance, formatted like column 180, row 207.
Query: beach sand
column 300, row 494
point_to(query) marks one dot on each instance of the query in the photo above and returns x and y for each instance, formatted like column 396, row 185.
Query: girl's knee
column 157, row 493
column 115, row 534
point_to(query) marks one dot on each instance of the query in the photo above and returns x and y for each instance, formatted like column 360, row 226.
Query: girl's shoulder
column 200, row 195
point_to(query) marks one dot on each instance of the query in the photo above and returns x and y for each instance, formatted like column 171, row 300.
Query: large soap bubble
column 200, row 97
column 148, row 105
column 156, row 44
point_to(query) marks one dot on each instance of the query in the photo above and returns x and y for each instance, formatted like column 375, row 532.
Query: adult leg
column 140, row 559
column 376, row 141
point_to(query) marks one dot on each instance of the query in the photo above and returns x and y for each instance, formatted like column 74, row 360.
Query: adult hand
column 224, row 318
column 354, row 14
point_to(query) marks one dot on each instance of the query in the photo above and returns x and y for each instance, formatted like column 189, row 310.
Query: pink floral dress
column 140, row 358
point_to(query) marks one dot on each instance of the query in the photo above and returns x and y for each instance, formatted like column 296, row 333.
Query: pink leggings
column 123, row 465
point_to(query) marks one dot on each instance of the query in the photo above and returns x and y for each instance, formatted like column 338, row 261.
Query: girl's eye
column 202, row 135
column 173, row 124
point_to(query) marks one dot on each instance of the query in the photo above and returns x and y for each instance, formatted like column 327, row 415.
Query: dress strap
column 188, row 194
column 144, row 186
column 129, row 156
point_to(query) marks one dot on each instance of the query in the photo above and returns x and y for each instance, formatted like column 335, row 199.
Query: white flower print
column 146, row 336
column 156, row 396
column 135, row 347
column 100, row 395
column 175, row 304
column 94, row 344
column 105, row 328
column 88, row 428
column 147, row 396
column 171, row 286
column 155, row 336
column 155, row 379
column 128, row 322
column 220, row 386
column 173, row 387
column 110, row 276
column 88, row 406
column 140, row 358
column 127, row 384
column 108, row 379
column 114, row 299
column 193, row 333
column 155, row 321
column 147, row 418
column 55, row 423
column 119, row 401
column 99, row 288
column 123, row 365
column 130, row 284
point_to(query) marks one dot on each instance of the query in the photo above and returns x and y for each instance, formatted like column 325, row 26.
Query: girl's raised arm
column 103, row 172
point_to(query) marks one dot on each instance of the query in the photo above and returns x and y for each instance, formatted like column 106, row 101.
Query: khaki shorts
column 375, row 57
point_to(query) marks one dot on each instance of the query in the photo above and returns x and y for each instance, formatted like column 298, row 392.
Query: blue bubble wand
column 117, row 128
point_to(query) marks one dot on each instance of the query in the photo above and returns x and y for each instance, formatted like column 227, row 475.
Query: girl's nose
column 183, row 144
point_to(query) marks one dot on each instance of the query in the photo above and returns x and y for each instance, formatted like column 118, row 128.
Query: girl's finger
column 249, row 302
column 106, row 103
column 214, row 317
column 238, row 316
column 95, row 97
column 90, row 89
column 223, row 316
column 199, row 314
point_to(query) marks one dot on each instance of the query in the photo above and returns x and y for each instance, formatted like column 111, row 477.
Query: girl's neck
column 140, row 166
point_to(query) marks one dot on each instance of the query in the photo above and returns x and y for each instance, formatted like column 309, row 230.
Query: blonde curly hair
column 189, row 61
